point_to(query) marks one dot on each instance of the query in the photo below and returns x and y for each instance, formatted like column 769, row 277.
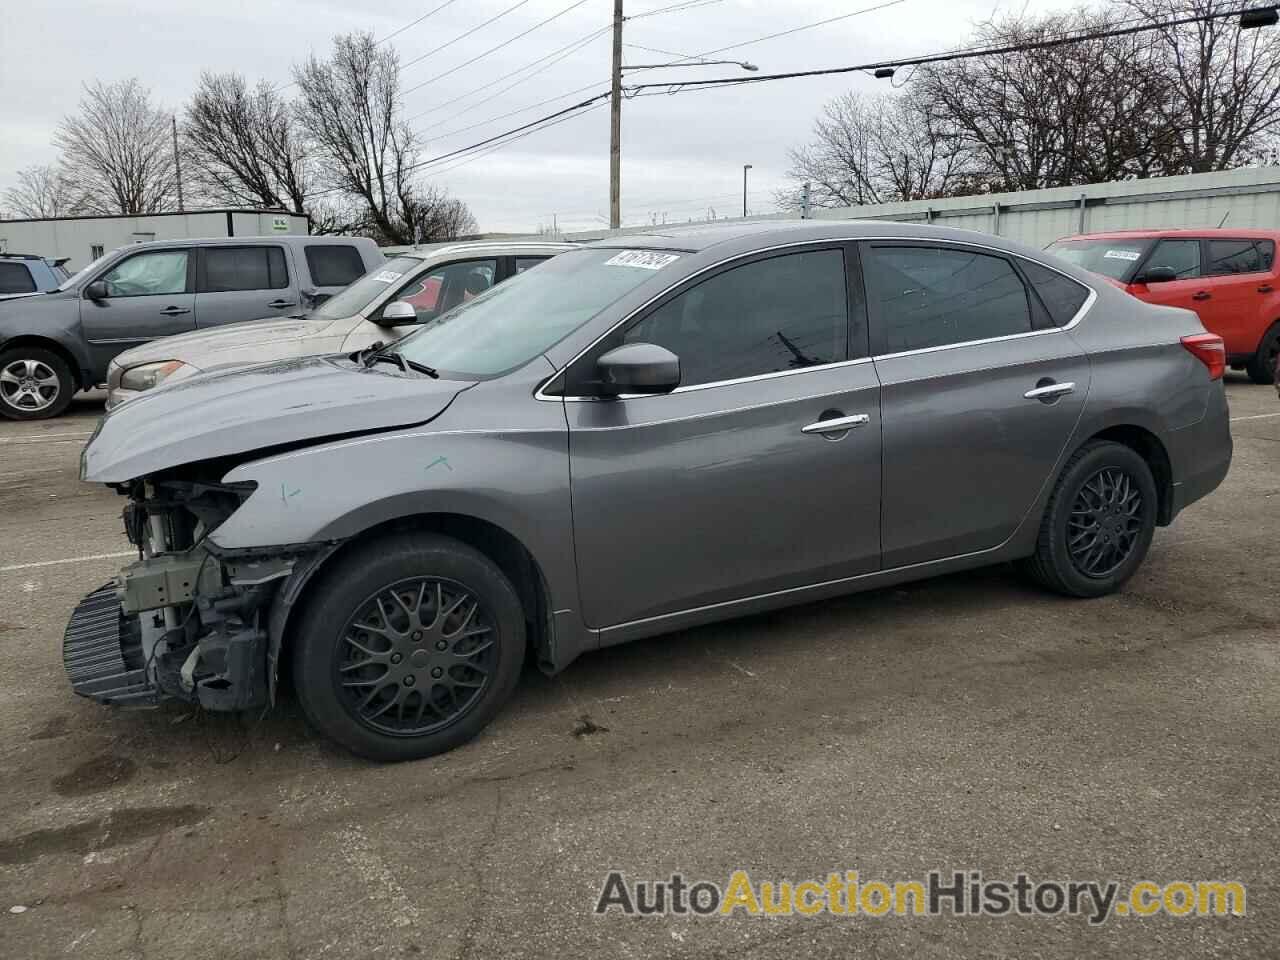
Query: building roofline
column 164, row 213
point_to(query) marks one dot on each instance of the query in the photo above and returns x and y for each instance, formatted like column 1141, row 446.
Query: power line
column 463, row 36
column 410, row 26
column 569, row 47
column 511, row 113
column 674, row 8
column 505, row 43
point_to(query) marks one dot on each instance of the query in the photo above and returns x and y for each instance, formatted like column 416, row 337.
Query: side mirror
column 1157, row 275
column 639, row 368
column 396, row 313
column 97, row 290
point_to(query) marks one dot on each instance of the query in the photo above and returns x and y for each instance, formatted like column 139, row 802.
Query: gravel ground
column 969, row 722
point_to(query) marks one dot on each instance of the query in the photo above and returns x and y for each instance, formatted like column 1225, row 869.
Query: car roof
column 224, row 241
column 1209, row 233
column 496, row 248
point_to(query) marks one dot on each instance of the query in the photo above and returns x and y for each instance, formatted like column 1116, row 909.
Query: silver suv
column 639, row 436
column 53, row 344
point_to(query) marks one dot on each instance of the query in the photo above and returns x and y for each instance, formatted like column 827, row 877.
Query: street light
column 745, row 168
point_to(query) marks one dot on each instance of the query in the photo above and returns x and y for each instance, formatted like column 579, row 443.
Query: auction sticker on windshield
column 1121, row 255
column 387, row 276
column 644, row 259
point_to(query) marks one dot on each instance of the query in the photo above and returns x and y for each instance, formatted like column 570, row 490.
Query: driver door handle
column 174, row 311
column 279, row 304
column 1202, row 295
column 837, row 424
column 1050, row 391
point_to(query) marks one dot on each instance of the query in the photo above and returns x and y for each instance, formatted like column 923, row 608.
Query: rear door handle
column 279, row 304
column 174, row 311
column 838, row 424
column 1050, row 391
column 1265, row 288
column 1201, row 296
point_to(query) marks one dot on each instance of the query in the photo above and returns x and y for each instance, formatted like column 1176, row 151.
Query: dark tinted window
column 932, row 296
column 524, row 263
column 243, row 268
column 16, row 278
column 1180, row 256
column 763, row 317
column 334, row 265
column 1061, row 296
column 1239, row 256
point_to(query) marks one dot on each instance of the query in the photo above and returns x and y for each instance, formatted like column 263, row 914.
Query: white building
column 84, row 239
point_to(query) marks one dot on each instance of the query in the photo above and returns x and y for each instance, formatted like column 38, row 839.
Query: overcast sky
column 682, row 155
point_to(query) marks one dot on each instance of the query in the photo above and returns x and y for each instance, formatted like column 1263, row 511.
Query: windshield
column 513, row 322
column 81, row 274
column 352, row 299
column 1112, row 258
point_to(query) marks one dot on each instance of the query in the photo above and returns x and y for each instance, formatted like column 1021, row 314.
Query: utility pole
column 804, row 203
column 745, row 168
column 177, row 162
column 615, row 123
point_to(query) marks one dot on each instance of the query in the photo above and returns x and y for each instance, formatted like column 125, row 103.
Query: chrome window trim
column 825, row 241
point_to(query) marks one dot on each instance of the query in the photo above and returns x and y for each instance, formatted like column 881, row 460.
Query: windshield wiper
column 371, row 355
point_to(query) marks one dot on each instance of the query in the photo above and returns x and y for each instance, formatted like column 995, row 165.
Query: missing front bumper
column 102, row 652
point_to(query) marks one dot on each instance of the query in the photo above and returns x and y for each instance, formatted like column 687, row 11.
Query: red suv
column 1228, row 277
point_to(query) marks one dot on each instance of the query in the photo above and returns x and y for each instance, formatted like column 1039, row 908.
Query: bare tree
column 41, row 191
column 434, row 215
column 877, row 149
column 1225, row 83
column 349, row 106
column 117, row 152
column 244, row 145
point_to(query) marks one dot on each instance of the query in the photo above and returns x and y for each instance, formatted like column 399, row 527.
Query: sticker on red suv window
column 644, row 259
column 1121, row 255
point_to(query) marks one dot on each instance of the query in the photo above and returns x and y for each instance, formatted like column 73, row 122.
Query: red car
column 1228, row 277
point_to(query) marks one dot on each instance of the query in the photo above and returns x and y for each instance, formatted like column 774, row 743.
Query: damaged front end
column 184, row 621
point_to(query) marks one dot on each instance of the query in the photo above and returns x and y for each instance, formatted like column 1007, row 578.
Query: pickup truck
column 55, row 343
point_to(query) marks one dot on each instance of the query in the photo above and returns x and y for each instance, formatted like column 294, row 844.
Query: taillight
column 1209, row 350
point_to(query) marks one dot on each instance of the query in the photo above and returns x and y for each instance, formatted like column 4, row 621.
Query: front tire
column 1098, row 524
column 1262, row 366
column 35, row 384
column 408, row 647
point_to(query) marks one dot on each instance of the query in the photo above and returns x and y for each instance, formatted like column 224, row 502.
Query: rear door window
column 226, row 269
column 16, row 278
column 1181, row 256
column 1226, row 257
column 334, row 264
column 923, row 297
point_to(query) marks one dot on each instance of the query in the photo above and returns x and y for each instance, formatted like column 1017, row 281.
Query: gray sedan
column 640, row 436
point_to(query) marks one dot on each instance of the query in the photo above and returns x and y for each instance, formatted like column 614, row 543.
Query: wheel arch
column 1148, row 446
column 501, row 546
column 53, row 346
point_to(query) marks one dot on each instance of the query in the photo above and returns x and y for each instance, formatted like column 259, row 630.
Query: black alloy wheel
column 1105, row 522
column 416, row 656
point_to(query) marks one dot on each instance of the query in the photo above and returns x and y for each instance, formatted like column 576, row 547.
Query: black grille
column 102, row 651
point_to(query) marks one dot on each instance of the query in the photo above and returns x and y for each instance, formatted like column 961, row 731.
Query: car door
column 980, row 393
column 249, row 282
column 1182, row 255
column 432, row 292
column 149, row 295
column 1238, row 286
column 731, row 486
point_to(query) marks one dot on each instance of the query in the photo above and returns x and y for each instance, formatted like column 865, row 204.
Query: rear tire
column 1098, row 524
column 408, row 647
column 1262, row 366
column 35, row 384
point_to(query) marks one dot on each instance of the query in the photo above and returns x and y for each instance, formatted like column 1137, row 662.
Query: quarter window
column 524, row 263
column 334, row 264
column 1061, row 295
column 16, row 278
column 228, row 269
column 149, row 274
column 1240, row 256
column 1182, row 256
column 930, row 296
column 769, row 316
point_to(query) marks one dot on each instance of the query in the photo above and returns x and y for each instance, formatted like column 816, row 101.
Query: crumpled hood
column 202, row 348
column 243, row 409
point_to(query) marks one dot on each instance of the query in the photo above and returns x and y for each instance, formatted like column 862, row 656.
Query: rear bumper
column 102, row 652
column 1200, row 454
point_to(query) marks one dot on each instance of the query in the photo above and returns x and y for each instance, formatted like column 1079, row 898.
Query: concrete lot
column 969, row 722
